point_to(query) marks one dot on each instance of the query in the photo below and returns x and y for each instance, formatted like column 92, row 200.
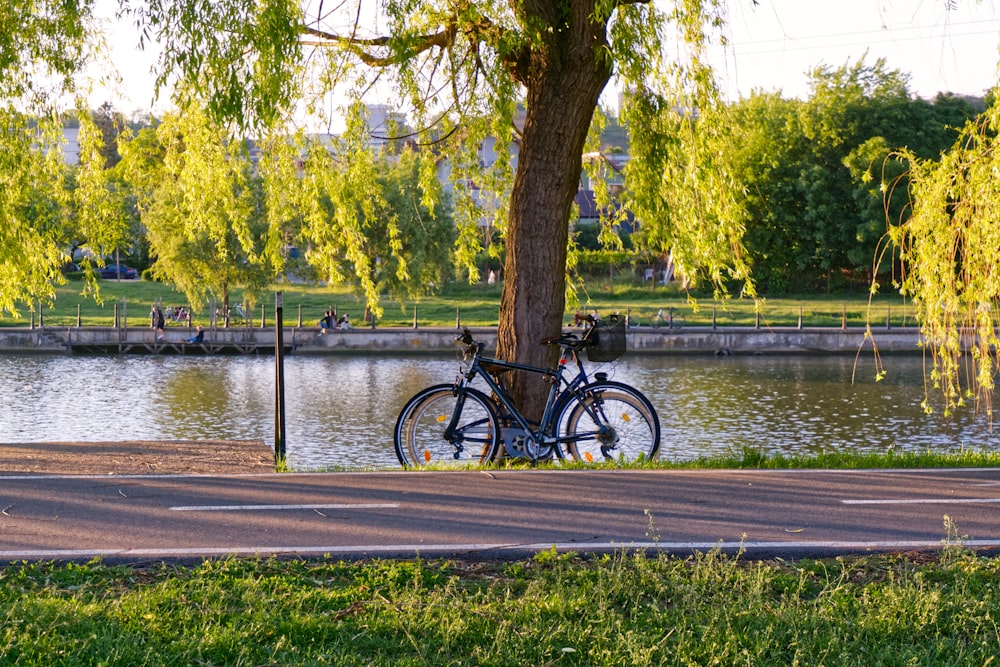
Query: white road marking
column 923, row 501
column 268, row 508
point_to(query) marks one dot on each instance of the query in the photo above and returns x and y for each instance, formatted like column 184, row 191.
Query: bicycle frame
column 561, row 386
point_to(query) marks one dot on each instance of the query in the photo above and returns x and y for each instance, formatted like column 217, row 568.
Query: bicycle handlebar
column 570, row 340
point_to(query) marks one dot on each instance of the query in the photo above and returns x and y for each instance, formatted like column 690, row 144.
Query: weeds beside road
column 553, row 609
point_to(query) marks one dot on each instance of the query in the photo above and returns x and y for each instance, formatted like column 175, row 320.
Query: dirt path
column 162, row 457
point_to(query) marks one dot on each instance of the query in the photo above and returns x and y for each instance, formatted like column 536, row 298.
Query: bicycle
column 584, row 420
column 667, row 319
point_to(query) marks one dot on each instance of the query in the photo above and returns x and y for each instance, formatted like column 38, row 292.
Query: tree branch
column 362, row 47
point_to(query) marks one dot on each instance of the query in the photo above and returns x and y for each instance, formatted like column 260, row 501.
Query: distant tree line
column 814, row 175
column 184, row 200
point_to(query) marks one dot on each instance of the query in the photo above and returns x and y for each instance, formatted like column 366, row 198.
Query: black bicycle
column 583, row 420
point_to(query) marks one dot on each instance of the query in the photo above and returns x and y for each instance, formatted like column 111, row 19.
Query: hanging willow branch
column 949, row 250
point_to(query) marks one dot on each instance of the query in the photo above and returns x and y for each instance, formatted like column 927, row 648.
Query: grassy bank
column 550, row 610
column 475, row 305
column 750, row 458
column 754, row 459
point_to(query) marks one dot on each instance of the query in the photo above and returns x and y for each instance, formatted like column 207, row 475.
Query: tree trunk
column 564, row 79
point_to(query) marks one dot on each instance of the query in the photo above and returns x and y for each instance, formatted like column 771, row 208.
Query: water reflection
column 341, row 410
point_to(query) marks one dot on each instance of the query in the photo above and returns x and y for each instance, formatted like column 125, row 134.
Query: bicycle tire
column 419, row 436
column 626, row 427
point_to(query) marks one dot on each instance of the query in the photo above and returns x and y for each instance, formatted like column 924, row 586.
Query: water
column 340, row 410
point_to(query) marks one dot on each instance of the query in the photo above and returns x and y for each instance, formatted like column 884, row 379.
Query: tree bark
column 564, row 78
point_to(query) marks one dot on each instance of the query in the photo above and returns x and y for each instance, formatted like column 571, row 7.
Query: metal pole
column 279, row 384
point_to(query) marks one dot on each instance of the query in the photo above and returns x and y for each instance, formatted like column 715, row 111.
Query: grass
column 754, row 459
column 553, row 609
column 843, row 460
column 475, row 305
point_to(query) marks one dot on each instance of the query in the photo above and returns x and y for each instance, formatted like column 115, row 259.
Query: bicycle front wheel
column 613, row 422
column 442, row 427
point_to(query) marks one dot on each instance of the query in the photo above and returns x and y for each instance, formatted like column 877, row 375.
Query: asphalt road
column 497, row 513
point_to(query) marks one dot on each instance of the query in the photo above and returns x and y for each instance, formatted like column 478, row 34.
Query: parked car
column 118, row 271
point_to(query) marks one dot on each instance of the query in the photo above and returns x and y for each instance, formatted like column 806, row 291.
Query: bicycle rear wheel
column 613, row 422
column 420, row 437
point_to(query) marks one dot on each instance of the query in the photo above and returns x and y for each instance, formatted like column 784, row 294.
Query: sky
column 944, row 45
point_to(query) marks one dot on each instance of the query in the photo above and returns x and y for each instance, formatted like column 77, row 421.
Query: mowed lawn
column 473, row 305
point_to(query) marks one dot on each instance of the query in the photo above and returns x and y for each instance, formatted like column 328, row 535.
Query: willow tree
column 200, row 208
column 949, row 260
column 43, row 45
column 460, row 70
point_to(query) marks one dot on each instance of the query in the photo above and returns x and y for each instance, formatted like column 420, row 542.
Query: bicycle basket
column 607, row 340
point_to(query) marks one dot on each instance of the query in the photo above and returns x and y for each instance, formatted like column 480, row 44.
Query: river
column 340, row 410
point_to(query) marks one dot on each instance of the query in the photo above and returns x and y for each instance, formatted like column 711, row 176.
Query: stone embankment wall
column 642, row 340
